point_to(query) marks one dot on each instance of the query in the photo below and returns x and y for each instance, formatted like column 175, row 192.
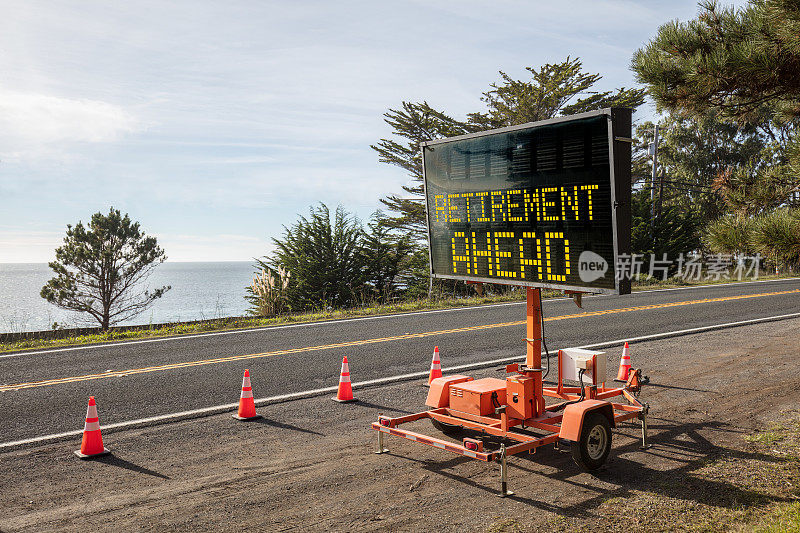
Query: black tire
column 592, row 450
column 447, row 429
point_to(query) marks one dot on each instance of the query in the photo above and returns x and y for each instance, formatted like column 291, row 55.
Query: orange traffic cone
column 624, row 364
column 247, row 407
column 436, row 366
column 92, row 443
column 345, row 393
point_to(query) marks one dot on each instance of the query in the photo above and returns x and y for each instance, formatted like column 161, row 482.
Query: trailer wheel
column 595, row 444
column 447, row 429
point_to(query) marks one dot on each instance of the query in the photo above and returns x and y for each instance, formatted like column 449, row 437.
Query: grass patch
column 238, row 323
column 752, row 486
column 772, row 505
column 507, row 525
column 784, row 518
column 766, row 437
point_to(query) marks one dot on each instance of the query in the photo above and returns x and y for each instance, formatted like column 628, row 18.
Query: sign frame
column 619, row 156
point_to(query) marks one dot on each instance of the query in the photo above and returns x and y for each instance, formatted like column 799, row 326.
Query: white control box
column 593, row 364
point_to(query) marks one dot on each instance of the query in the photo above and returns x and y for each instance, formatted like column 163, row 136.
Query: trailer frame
column 560, row 421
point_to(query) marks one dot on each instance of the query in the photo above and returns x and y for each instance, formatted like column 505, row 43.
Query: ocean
column 199, row 291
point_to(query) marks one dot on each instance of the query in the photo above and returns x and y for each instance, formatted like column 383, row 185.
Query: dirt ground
column 725, row 407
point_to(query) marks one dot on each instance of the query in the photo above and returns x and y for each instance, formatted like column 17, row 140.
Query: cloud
column 33, row 121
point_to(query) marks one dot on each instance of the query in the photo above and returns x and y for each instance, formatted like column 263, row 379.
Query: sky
column 214, row 124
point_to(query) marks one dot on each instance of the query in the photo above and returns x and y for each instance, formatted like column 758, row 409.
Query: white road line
column 735, row 284
column 206, row 411
column 680, row 332
column 355, row 319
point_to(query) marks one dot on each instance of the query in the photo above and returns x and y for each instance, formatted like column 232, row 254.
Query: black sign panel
column 534, row 205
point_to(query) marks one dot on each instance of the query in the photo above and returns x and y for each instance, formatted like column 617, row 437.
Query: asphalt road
column 45, row 392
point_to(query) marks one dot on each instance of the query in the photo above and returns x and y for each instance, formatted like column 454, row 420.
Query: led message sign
column 544, row 204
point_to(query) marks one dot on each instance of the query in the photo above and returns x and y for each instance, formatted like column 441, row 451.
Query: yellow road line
column 362, row 342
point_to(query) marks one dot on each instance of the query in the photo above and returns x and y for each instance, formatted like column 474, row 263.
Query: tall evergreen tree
column 555, row 89
column 730, row 61
column 383, row 255
column 676, row 231
column 412, row 124
column 740, row 65
column 321, row 256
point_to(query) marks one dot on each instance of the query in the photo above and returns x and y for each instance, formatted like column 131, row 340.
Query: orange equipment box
column 475, row 397
column 521, row 397
column 439, row 393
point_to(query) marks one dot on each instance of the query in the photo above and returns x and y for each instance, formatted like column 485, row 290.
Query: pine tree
column 729, row 61
column 730, row 234
column 101, row 268
column 676, row 231
column 775, row 235
column 548, row 94
column 329, row 261
column 695, row 156
column 741, row 66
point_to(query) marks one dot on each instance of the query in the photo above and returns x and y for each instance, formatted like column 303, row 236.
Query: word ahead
column 511, row 255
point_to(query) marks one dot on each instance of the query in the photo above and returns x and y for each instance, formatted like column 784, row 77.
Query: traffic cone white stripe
column 92, row 420
column 246, row 394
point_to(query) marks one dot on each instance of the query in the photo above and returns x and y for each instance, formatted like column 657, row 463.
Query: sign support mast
column 533, row 339
column 534, row 329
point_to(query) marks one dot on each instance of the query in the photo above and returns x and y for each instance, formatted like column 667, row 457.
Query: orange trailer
column 493, row 407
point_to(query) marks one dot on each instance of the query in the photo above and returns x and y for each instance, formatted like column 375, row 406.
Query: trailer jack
column 504, row 492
